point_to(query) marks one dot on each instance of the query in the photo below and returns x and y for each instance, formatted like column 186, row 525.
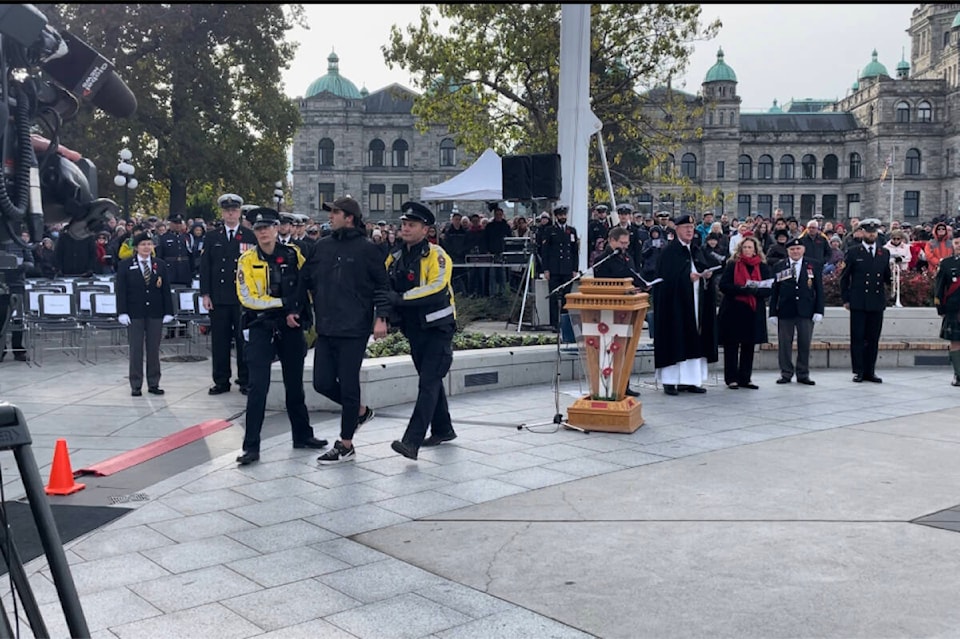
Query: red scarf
column 746, row 268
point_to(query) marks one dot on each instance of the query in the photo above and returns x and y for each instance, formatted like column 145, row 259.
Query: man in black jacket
column 560, row 254
column 346, row 275
column 796, row 304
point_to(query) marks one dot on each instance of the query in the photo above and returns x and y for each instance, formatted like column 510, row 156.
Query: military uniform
column 172, row 248
column 218, row 275
column 862, row 287
column 559, row 254
column 268, row 288
column 423, row 303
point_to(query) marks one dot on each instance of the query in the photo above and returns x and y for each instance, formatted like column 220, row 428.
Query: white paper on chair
column 85, row 300
column 186, row 301
column 56, row 304
column 195, row 284
column 106, row 304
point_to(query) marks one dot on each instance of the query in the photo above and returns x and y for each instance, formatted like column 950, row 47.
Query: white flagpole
column 893, row 179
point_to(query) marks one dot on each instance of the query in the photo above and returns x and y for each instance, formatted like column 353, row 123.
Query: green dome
column 333, row 82
column 956, row 22
column 721, row 71
column 874, row 68
column 775, row 108
column 903, row 65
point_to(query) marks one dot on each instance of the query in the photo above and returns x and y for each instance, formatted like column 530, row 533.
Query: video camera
column 41, row 74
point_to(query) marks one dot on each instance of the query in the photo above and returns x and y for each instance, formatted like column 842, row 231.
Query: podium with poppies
column 607, row 319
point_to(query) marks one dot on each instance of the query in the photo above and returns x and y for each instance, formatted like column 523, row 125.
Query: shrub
column 397, row 344
column 916, row 289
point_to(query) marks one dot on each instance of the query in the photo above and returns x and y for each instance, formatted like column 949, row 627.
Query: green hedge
column 397, row 344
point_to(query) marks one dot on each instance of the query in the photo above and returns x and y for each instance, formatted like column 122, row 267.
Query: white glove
column 124, row 319
column 167, row 319
column 817, row 318
column 773, row 320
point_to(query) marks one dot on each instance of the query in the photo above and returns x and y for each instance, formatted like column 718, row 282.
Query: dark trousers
column 15, row 328
column 225, row 329
column 865, row 327
column 556, row 279
column 477, row 281
column 145, row 331
column 786, row 328
column 289, row 345
column 336, row 376
column 738, row 362
column 432, row 353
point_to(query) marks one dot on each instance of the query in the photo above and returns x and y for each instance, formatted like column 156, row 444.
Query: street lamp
column 125, row 178
column 278, row 194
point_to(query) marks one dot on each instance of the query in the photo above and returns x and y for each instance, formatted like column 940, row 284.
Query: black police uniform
column 422, row 299
column 269, row 290
column 172, row 249
column 218, row 274
column 862, row 286
column 559, row 253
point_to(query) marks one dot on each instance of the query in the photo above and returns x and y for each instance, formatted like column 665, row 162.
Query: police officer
column 218, row 275
column 422, row 298
column 276, row 311
column 865, row 273
column 599, row 226
column 560, row 254
column 285, row 230
column 172, row 249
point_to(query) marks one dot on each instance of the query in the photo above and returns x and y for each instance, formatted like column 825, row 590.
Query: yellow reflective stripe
column 249, row 298
column 435, row 284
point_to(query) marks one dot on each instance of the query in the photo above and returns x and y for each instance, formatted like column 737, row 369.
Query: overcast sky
column 777, row 51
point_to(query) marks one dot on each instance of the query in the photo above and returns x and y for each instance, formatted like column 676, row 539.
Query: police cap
column 176, row 218
column 287, row 217
column 870, row 225
column 417, row 212
column 262, row 216
column 794, row 242
column 560, row 210
column 684, row 218
column 230, row 201
column 624, row 208
column 247, row 210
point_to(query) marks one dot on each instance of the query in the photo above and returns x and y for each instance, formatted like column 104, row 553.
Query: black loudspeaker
column 546, row 175
column 517, row 174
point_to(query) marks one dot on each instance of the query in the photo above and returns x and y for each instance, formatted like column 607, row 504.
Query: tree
column 494, row 79
column 211, row 112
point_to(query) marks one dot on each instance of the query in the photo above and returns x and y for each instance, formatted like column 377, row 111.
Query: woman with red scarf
column 743, row 311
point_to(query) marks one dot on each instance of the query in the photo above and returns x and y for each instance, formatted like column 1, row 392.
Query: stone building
column 828, row 156
column 365, row 145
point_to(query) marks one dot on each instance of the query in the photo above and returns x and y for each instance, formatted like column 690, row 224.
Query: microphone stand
column 558, row 416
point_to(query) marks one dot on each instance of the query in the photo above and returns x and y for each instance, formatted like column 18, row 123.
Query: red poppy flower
column 614, row 347
column 592, row 342
column 607, row 371
column 603, row 328
column 410, row 277
column 279, row 260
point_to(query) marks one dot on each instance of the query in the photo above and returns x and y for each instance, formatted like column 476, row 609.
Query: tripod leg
column 18, row 575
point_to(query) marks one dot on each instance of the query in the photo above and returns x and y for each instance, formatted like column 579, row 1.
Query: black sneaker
column 435, row 440
column 404, row 449
column 339, row 453
column 366, row 417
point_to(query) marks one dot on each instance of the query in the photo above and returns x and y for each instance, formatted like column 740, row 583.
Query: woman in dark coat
column 743, row 311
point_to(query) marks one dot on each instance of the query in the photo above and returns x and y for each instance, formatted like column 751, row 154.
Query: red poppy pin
column 279, row 260
column 607, row 371
column 410, row 277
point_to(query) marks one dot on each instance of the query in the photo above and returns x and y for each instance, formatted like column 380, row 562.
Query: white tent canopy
column 482, row 181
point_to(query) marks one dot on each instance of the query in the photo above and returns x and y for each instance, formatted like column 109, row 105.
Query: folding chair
column 83, row 293
column 56, row 317
column 103, row 318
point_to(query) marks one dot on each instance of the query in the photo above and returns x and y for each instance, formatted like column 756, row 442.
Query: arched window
column 325, row 152
column 911, row 165
column 745, row 167
column 721, row 118
column 765, row 168
column 667, row 164
column 856, row 166
column 924, row 112
column 831, row 167
column 400, row 148
column 448, row 152
column 808, row 167
column 903, row 112
column 375, row 153
column 788, row 168
column 870, row 116
column 688, row 166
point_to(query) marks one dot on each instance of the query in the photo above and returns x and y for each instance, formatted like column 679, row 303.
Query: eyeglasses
column 313, row 232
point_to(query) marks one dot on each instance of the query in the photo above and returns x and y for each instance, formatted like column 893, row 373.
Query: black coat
column 676, row 336
column 172, row 249
column 347, row 277
column 559, row 249
column 791, row 299
column 863, row 278
column 76, row 257
column 138, row 299
column 218, row 264
column 737, row 323
column 618, row 266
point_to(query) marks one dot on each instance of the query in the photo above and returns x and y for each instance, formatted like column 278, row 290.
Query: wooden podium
column 607, row 318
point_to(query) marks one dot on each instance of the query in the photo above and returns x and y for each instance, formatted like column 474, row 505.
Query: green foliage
column 211, row 111
column 494, row 81
column 474, row 309
column 397, row 344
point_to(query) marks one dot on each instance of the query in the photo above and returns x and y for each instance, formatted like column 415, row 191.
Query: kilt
column 950, row 327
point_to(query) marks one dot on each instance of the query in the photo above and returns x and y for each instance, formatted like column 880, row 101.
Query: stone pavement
column 782, row 512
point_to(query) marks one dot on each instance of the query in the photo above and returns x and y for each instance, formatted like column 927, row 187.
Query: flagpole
column 893, row 180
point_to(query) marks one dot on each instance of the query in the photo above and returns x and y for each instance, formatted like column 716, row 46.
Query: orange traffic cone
column 61, row 475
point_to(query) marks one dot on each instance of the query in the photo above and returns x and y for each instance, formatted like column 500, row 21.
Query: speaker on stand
column 545, row 182
column 517, row 175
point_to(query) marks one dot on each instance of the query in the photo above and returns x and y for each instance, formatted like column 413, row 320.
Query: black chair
column 103, row 319
column 56, row 318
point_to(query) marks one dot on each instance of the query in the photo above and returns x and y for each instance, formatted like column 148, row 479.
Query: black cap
column 779, row 232
column 794, row 242
column 683, row 218
column 494, row 206
column 262, row 216
column 141, row 237
column 417, row 212
column 346, row 204
column 248, row 211
column 176, row 218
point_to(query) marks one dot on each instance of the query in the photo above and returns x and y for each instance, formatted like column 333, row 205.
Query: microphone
column 85, row 72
